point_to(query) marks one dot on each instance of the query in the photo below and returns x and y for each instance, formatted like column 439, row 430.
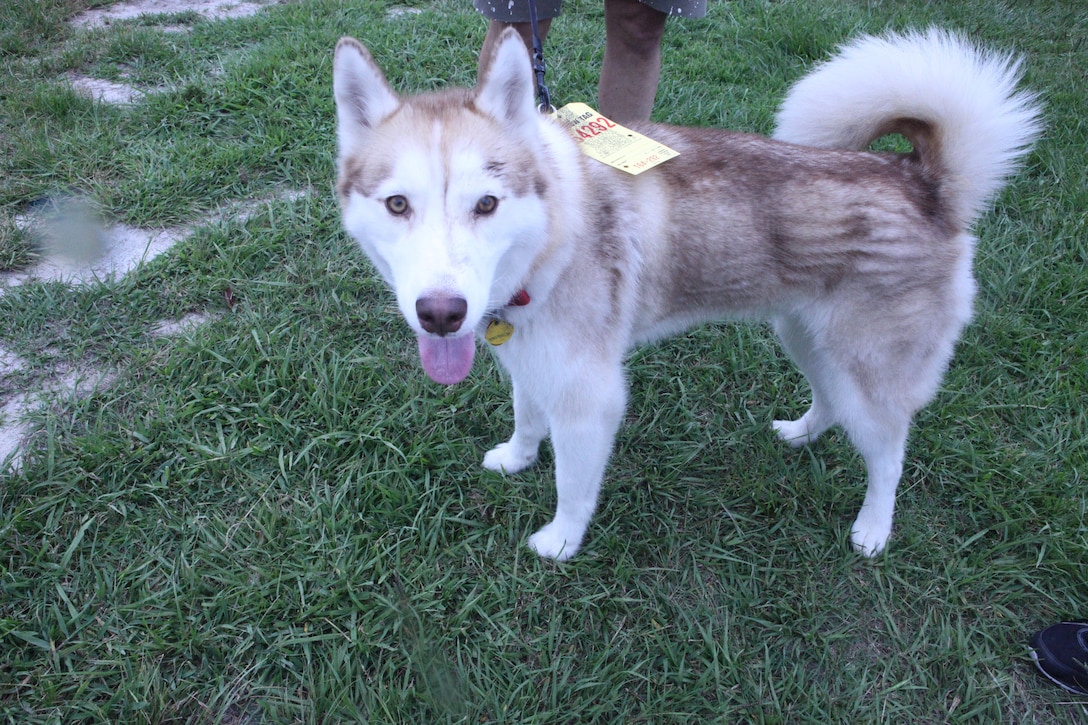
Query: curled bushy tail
column 955, row 102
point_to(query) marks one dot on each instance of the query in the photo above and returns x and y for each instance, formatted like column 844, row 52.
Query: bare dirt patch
column 104, row 91
column 399, row 11
column 14, row 412
column 10, row 362
column 78, row 249
column 211, row 9
column 173, row 328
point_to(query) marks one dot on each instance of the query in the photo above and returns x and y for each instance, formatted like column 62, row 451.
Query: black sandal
column 1061, row 653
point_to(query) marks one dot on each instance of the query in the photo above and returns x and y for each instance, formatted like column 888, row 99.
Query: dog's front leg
column 530, row 428
column 584, row 423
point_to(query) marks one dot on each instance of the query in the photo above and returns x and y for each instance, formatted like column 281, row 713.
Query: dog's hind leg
column 889, row 375
column 854, row 395
column 799, row 344
column 530, row 428
column 881, row 437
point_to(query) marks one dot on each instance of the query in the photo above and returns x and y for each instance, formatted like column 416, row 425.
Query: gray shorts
column 517, row 11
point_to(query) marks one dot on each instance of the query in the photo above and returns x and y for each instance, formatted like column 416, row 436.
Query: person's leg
column 632, row 60
column 495, row 27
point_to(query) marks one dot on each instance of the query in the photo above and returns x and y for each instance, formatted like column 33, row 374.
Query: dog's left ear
column 506, row 89
column 363, row 96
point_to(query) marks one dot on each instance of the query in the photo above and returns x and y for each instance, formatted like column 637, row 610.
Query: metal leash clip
column 544, row 99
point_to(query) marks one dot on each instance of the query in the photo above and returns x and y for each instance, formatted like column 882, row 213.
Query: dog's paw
column 509, row 458
column 794, row 432
column 556, row 541
column 869, row 537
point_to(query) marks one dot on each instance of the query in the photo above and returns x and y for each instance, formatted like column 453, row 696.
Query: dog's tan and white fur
column 862, row 261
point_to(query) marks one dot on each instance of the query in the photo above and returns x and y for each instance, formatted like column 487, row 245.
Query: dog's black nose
column 441, row 315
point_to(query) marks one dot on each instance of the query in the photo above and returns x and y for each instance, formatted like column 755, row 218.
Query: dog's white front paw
column 557, row 541
column 509, row 457
column 869, row 537
column 794, row 432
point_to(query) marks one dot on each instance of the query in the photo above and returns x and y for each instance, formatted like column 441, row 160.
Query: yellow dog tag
column 498, row 332
column 610, row 143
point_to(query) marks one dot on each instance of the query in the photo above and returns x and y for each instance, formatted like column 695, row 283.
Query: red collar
column 520, row 299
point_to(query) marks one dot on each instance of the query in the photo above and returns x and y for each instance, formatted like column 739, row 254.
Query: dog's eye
column 397, row 204
column 486, row 205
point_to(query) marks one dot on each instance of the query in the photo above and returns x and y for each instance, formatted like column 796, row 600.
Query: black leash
column 544, row 99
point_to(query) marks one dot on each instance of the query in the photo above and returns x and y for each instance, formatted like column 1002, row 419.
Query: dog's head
column 443, row 193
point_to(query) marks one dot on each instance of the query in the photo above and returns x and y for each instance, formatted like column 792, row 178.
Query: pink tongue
column 447, row 360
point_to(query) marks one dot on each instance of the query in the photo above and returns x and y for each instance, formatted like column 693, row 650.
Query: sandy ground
column 14, row 410
column 104, row 91
column 211, row 9
column 107, row 252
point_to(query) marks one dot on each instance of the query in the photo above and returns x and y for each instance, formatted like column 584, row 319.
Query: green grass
column 274, row 517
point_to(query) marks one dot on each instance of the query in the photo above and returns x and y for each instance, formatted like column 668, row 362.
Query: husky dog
column 479, row 210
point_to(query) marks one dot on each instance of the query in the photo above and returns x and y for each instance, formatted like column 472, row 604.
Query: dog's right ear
column 363, row 95
column 506, row 89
